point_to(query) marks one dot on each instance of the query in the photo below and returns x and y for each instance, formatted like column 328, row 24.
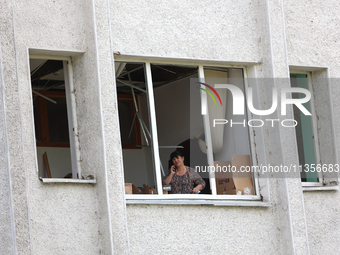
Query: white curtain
column 217, row 111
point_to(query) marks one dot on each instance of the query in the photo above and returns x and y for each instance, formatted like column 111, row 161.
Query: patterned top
column 183, row 184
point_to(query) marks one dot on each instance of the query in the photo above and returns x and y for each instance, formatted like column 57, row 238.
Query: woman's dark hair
column 175, row 154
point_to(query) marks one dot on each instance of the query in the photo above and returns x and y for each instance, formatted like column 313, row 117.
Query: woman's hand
column 173, row 169
column 168, row 179
column 197, row 189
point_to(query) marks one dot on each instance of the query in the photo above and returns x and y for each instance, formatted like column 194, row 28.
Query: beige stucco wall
column 187, row 29
column 58, row 218
column 92, row 219
column 312, row 29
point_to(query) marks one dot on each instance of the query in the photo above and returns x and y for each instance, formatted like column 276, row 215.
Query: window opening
column 139, row 168
column 305, row 136
column 179, row 126
column 230, row 144
column 51, row 118
column 172, row 106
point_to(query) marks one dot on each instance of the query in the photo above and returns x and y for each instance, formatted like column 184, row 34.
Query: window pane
column 230, row 140
column 50, row 119
column 304, row 130
column 138, row 163
column 172, row 103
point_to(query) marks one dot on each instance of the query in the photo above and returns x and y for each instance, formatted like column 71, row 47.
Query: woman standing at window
column 183, row 179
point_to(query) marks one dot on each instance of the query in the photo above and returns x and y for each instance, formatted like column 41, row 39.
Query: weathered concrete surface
column 7, row 231
column 37, row 218
column 312, row 29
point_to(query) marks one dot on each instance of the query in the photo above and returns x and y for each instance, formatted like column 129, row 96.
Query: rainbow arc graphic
column 209, row 93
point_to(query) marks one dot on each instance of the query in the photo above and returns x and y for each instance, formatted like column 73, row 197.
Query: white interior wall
column 172, row 103
column 236, row 138
column 135, row 167
column 147, row 153
column 59, row 160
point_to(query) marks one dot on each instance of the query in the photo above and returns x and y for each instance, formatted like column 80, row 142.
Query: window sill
column 63, row 180
column 200, row 202
column 324, row 188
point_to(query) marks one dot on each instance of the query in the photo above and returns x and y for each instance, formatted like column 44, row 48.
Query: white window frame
column 152, row 116
column 71, row 115
column 315, row 131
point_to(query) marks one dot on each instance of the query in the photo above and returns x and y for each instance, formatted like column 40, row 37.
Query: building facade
column 96, row 46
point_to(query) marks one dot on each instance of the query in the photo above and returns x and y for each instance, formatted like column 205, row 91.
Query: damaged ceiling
column 133, row 75
column 47, row 74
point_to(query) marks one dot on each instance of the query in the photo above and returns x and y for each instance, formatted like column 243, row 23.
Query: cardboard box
column 230, row 182
column 242, row 164
column 234, row 192
column 239, row 184
column 241, row 178
column 131, row 188
column 223, row 185
column 223, row 179
column 147, row 190
column 153, row 191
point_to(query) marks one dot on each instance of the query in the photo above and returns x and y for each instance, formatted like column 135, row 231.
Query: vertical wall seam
column 2, row 84
column 102, row 127
column 280, row 133
column 114, row 83
column 286, row 50
column 21, row 128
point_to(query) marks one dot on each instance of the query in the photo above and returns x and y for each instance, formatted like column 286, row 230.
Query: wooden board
column 47, row 165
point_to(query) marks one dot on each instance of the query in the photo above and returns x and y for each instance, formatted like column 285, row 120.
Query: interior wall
column 135, row 167
column 59, row 160
column 172, row 103
column 236, row 138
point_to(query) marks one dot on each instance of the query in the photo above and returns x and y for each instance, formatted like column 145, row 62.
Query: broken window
column 53, row 118
column 167, row 101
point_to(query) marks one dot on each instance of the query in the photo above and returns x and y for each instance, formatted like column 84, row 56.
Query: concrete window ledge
column 200, row 202
column 325, row 188
column 66, row 180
